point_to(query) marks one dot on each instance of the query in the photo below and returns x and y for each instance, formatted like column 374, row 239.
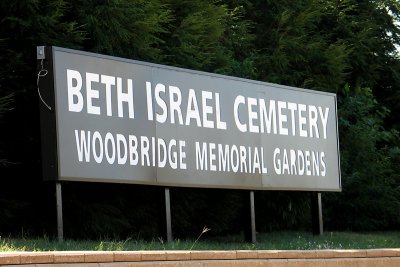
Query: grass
column 276, row 240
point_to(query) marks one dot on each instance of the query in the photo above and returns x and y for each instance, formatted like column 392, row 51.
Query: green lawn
column 276, row 240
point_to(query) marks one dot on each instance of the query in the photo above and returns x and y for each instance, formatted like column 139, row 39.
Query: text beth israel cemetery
column 145, row 123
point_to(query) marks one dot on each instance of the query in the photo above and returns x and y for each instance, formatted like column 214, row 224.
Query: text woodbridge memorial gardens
column 125, row 121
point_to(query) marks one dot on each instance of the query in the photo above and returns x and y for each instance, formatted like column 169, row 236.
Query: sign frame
column 49, row 123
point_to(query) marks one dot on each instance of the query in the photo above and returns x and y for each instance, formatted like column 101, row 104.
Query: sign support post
column 253, row 218
column 60, row 230
column 320, row 219
column 168, row 215
column 316, row 212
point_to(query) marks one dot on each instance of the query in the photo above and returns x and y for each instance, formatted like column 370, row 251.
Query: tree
column 316, row 44
column 369, row 162
column 5, row 105
column 131, row 29
column 23, row 26
column 209, row 36
column 292, row 48
column 370, row 31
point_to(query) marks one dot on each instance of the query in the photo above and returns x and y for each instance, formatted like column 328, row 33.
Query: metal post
column 320, row 219
column 60, row 231
column 253, row 218
column 168, row 215
column 316, row 212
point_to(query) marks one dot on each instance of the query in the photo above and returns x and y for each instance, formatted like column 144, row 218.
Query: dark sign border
column 48, row 122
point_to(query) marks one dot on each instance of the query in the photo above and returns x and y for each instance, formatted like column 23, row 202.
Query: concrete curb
column 239, row 258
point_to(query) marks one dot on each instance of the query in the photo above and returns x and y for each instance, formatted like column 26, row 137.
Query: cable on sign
column 42, row 72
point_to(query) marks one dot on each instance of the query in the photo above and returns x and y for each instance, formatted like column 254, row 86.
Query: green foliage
column 132, row 29
column 371, row 33
column 23, row 26
column 194, row 41
column 21, row 31
column 5, row 105
column 323, row 45
column 209, row 36
column 369, row 164
column 291, row 210
column 293, row 48
column 112, row 211
column 192, row 209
